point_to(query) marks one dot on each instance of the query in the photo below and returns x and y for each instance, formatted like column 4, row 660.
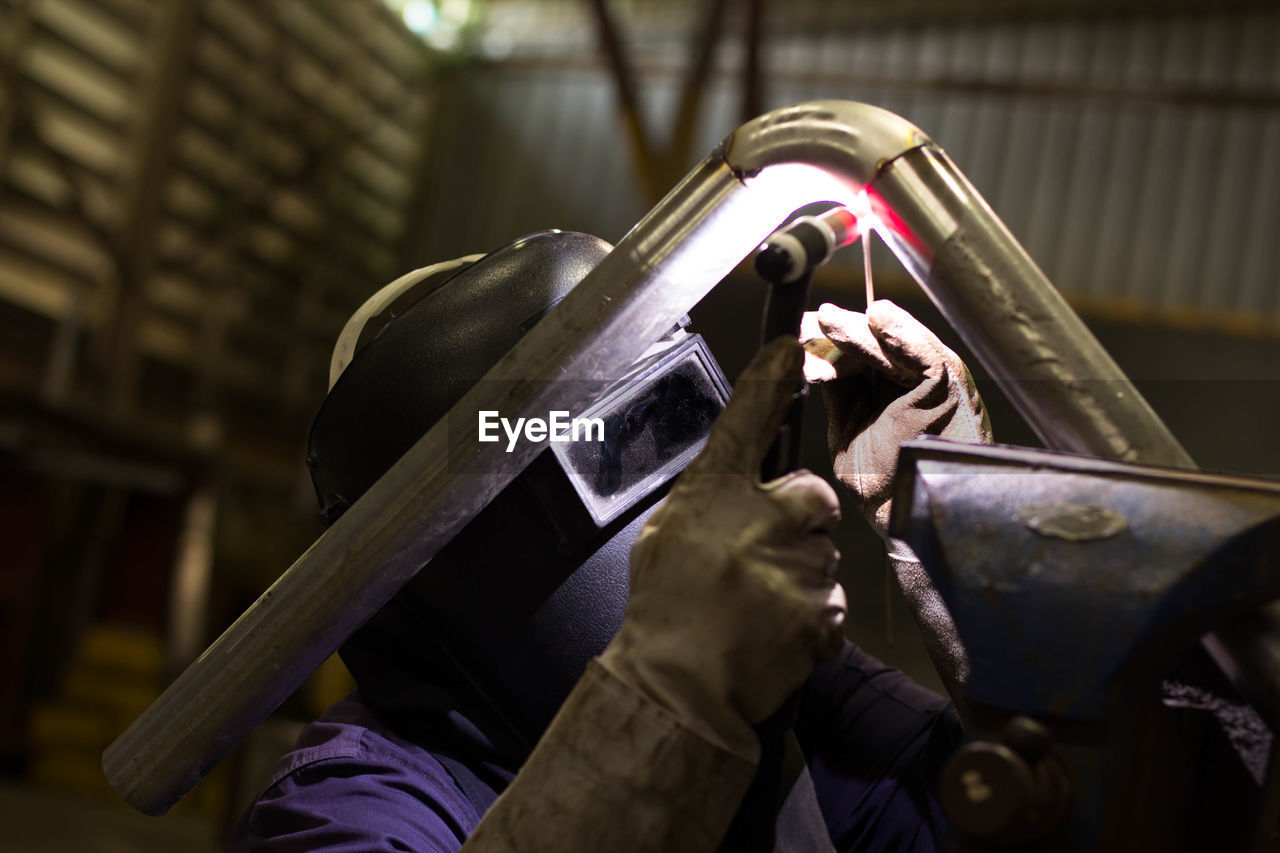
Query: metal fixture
column 1077, row 585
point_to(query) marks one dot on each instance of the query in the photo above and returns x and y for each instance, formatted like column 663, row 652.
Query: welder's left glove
column 887, row 379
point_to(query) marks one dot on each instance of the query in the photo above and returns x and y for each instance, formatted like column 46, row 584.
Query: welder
column 585, row 666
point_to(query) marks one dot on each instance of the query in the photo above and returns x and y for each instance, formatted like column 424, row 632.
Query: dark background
column 195, row 195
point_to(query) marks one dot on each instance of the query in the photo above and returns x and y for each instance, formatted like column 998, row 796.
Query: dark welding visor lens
column 645, row 430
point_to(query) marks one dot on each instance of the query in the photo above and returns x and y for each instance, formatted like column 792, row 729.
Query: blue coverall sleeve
column 875, row 742
column 357, row 803
column 873, row 738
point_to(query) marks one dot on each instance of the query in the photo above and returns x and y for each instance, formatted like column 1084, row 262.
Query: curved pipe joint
column 1026, row 336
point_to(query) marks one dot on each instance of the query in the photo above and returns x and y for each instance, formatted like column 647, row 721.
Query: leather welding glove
column 887, row 379
column 733, row 600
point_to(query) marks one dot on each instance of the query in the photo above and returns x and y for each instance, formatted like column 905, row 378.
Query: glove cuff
column 938, row 629
column 616, row 771
column 687, row 697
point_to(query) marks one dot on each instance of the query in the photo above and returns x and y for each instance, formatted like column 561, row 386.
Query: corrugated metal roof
column 1138, row 159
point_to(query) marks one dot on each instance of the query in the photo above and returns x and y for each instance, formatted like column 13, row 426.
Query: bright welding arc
column 866, row 265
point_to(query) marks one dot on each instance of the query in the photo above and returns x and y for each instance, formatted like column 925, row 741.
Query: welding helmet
column 536, row 584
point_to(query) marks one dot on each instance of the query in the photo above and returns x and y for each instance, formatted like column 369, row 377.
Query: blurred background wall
column 195, row 194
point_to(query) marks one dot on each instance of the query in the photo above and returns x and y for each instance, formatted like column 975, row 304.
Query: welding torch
column 786, row 261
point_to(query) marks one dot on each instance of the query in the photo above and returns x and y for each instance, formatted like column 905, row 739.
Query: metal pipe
column 1033, row 344
column 821, row 151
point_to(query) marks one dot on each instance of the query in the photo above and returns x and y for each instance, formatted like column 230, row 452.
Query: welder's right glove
column 733, row 592
column 733, row 600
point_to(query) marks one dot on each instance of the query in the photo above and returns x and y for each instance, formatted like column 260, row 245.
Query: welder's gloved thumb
column 886, row 379
column 733, row 600
column 733, row 592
